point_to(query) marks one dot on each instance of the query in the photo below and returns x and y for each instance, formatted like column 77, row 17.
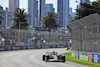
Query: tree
column 20, row 18
column 50, row 21
column 88, row 9
column 0, row 19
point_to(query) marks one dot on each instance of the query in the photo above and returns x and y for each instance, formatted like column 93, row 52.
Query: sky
column 24, row 3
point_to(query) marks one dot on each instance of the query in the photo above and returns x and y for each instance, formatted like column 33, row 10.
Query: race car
column 53, row 56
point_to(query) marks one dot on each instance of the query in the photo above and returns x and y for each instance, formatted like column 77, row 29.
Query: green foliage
column 72, row 59
column 0, row 19
column 50, row 21
column 87, row 9
column 20, row 17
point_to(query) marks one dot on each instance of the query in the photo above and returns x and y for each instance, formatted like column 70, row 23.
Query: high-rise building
column 33, row 12
column 9, row 22
column 13, row 5
column 63, row 12
column 3, row 15
column 98, row 0
column 54, row 10
column 70, row 10
column 49, row 8
column 83, row 1
column 72, row 14
column 41, row 9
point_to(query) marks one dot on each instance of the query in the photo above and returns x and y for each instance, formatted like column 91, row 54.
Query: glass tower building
column 85, row 1
column 41, row 9
column 33, row 12
column 63, row 12
column 49, row 8
column 13, row 5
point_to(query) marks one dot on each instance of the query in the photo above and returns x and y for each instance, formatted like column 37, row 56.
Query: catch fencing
column 18, row 37
column 85, row 33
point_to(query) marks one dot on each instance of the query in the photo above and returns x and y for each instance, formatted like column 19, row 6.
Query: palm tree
column 20, row 18
column 50, row 21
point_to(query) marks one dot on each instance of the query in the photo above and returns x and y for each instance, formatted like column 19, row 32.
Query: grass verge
column 72, row 59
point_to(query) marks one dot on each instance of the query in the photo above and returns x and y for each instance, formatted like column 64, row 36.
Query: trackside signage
column 95, row 58
column 60, row 46
column 31, row 47
column 16, row 48
column 91, row 57
column 45, row 46
column 84, row 56
column 2, row 48
column 73, row 53
column 77, row 55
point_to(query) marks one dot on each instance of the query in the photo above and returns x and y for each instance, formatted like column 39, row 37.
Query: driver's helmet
column 53, row 52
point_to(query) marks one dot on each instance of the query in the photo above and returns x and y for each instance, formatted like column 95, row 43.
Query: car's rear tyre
column 64, row 59
column 43, row 57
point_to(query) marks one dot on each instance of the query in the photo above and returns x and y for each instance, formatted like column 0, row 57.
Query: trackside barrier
column 61, row 46
column 7, row 48
column 54, row 46
column 31, row 47
column 23, row 47
column 39, row 46
column 15, row 47
column 86, row 56
column 2, row 48
column 45, row 46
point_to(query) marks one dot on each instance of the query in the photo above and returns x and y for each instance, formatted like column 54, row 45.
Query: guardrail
column 8, row 48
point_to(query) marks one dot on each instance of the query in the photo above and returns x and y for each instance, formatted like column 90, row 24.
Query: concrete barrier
column 15, row 47
column 2, row 48
column 31, row 47
column 7, row 48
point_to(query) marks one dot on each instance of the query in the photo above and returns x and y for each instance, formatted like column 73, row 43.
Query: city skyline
column 73, row 4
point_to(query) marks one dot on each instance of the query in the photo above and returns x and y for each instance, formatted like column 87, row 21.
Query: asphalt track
column 31, row 58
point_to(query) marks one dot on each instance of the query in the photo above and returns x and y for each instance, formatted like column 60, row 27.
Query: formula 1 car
column 53, row 56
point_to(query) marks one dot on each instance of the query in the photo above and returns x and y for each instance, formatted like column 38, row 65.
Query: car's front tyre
column 46, row 58
column 43, row 57
column 64, row 59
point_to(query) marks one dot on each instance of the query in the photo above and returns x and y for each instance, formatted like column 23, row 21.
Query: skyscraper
column 70, row 10
column 63, row 12
column 85, row 1
column 49, row 8
column 3, row 15
column 41, row 9
column 98, row 0
column 13, row 5
column 33, row 12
